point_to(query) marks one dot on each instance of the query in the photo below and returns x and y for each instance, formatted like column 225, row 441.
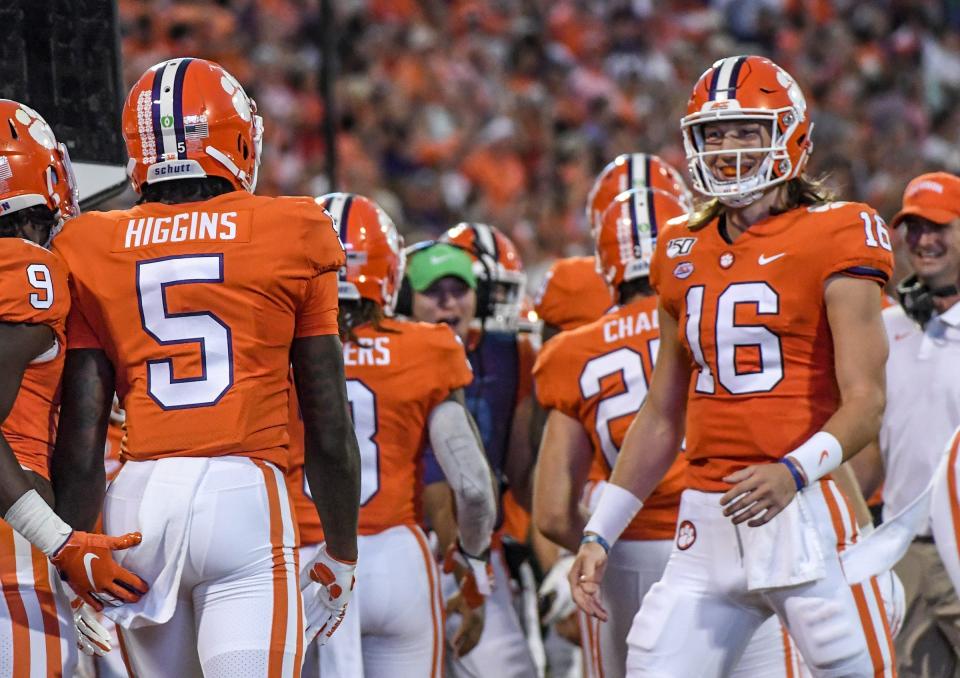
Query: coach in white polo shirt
column 923, row 410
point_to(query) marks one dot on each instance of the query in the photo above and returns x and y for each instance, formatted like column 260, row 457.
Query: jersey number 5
column 168, row 329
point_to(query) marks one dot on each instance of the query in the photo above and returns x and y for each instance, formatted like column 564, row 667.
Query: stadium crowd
column 504, row 112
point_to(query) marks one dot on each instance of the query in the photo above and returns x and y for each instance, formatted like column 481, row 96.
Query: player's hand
column 471, row 623
column 758, row 494
column 86, row 564
column 585, row 577
column 555, row 596
column 325, row 605
column 92, row 637
column 475, row 576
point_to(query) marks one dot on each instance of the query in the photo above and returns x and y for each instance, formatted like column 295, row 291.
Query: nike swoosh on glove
column 556, row 599
column 476, row 582
column 92, row 637
column 327, row 586
column 86, row 564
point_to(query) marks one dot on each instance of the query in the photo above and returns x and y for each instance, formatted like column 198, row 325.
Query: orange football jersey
column 753, row 321
column 33, row 289
column 573, row 293
column 196, row 306
column 598, row 374
column 395, row 377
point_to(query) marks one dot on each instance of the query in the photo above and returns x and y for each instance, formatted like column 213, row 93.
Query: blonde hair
column 801, row 191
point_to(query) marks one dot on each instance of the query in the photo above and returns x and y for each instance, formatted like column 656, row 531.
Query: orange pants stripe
column 840, row 515
column 280, row 631
column 32, row 622
column 436, row 614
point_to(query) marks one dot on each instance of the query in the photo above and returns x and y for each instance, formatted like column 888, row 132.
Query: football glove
column 476, row 574
column 556, row 599
column 86, row 564
column 92, row 637
column 327, row 586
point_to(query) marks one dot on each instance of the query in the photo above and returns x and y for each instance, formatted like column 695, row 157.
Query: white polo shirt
column 923, row 402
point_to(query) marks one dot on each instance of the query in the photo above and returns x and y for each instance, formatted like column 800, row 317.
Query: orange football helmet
column 499, row 270
column 747, row 88
column 633, row 170
column 375, row 259
column 190, row 118
column 34, row 168
column 628, row 232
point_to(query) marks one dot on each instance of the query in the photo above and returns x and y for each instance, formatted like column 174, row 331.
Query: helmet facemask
column 775, row 168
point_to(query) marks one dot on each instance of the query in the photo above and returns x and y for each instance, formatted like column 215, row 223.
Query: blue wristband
column 593, row 538
column 795, row 472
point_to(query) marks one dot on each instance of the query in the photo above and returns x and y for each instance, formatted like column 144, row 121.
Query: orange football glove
column 476, row 574
column 85, row 562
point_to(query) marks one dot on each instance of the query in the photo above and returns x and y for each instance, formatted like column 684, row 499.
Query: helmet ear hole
column 13, row 129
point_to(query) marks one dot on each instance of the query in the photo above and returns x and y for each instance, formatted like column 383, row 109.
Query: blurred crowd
column 503, row 111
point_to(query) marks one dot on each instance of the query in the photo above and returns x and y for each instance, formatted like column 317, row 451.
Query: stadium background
column 504, row 111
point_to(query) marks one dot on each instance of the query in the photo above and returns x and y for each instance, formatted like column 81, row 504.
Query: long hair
column 801, row 191
column 178, row 191
column 353, row 314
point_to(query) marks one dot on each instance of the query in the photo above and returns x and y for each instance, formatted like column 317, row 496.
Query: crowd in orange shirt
column 504, row 112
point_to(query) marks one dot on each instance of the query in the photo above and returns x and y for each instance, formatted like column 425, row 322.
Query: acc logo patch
column 686, row 535
column 683, row 270
column 679, row 247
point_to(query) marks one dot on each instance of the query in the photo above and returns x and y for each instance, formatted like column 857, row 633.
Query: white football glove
column 327, row 586
column 556, row 599
column 92, row 637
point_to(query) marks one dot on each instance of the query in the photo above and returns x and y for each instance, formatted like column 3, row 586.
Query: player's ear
column 404, row 299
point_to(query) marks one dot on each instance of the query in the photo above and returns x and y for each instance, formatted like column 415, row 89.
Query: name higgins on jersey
column 180, row 228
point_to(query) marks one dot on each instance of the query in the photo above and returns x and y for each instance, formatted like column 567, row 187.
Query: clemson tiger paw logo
column 686, row 535
column 241, row 101
column 36, row 126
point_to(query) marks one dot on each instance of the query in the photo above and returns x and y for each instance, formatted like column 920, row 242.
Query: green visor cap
column 429, row 265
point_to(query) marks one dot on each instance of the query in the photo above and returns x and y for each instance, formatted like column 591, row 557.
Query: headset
column 917, row 298
column 405, row 295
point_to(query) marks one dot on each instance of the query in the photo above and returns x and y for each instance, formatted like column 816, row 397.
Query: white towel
column 164, row 517
column 783, row 552
column 884, row 547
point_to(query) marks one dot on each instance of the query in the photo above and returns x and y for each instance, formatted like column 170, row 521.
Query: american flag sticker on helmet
column 5, row 171
column 195, row 127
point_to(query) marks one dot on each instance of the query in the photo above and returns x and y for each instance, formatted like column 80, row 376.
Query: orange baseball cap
column 934, row 197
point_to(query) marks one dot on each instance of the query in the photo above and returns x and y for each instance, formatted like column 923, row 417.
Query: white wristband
column 616, row 509
column 817, row 457
column 32, row 518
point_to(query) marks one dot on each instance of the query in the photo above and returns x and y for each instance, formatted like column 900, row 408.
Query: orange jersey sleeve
column 599, row 374
column 753, row 321
column 318, row 314
column 196, row 306
column 395, row 377
column 572, row 293
column 33, row 289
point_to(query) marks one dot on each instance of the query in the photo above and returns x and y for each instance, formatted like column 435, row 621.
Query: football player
column 771, row 344
column 573, row 293
column 37, row 195
column 499, row 398
column 394, row 416
column 592, row 380
column 192, row 305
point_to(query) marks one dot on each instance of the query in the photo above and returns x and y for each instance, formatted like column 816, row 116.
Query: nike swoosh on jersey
column 87, row 561
column 764, row 260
